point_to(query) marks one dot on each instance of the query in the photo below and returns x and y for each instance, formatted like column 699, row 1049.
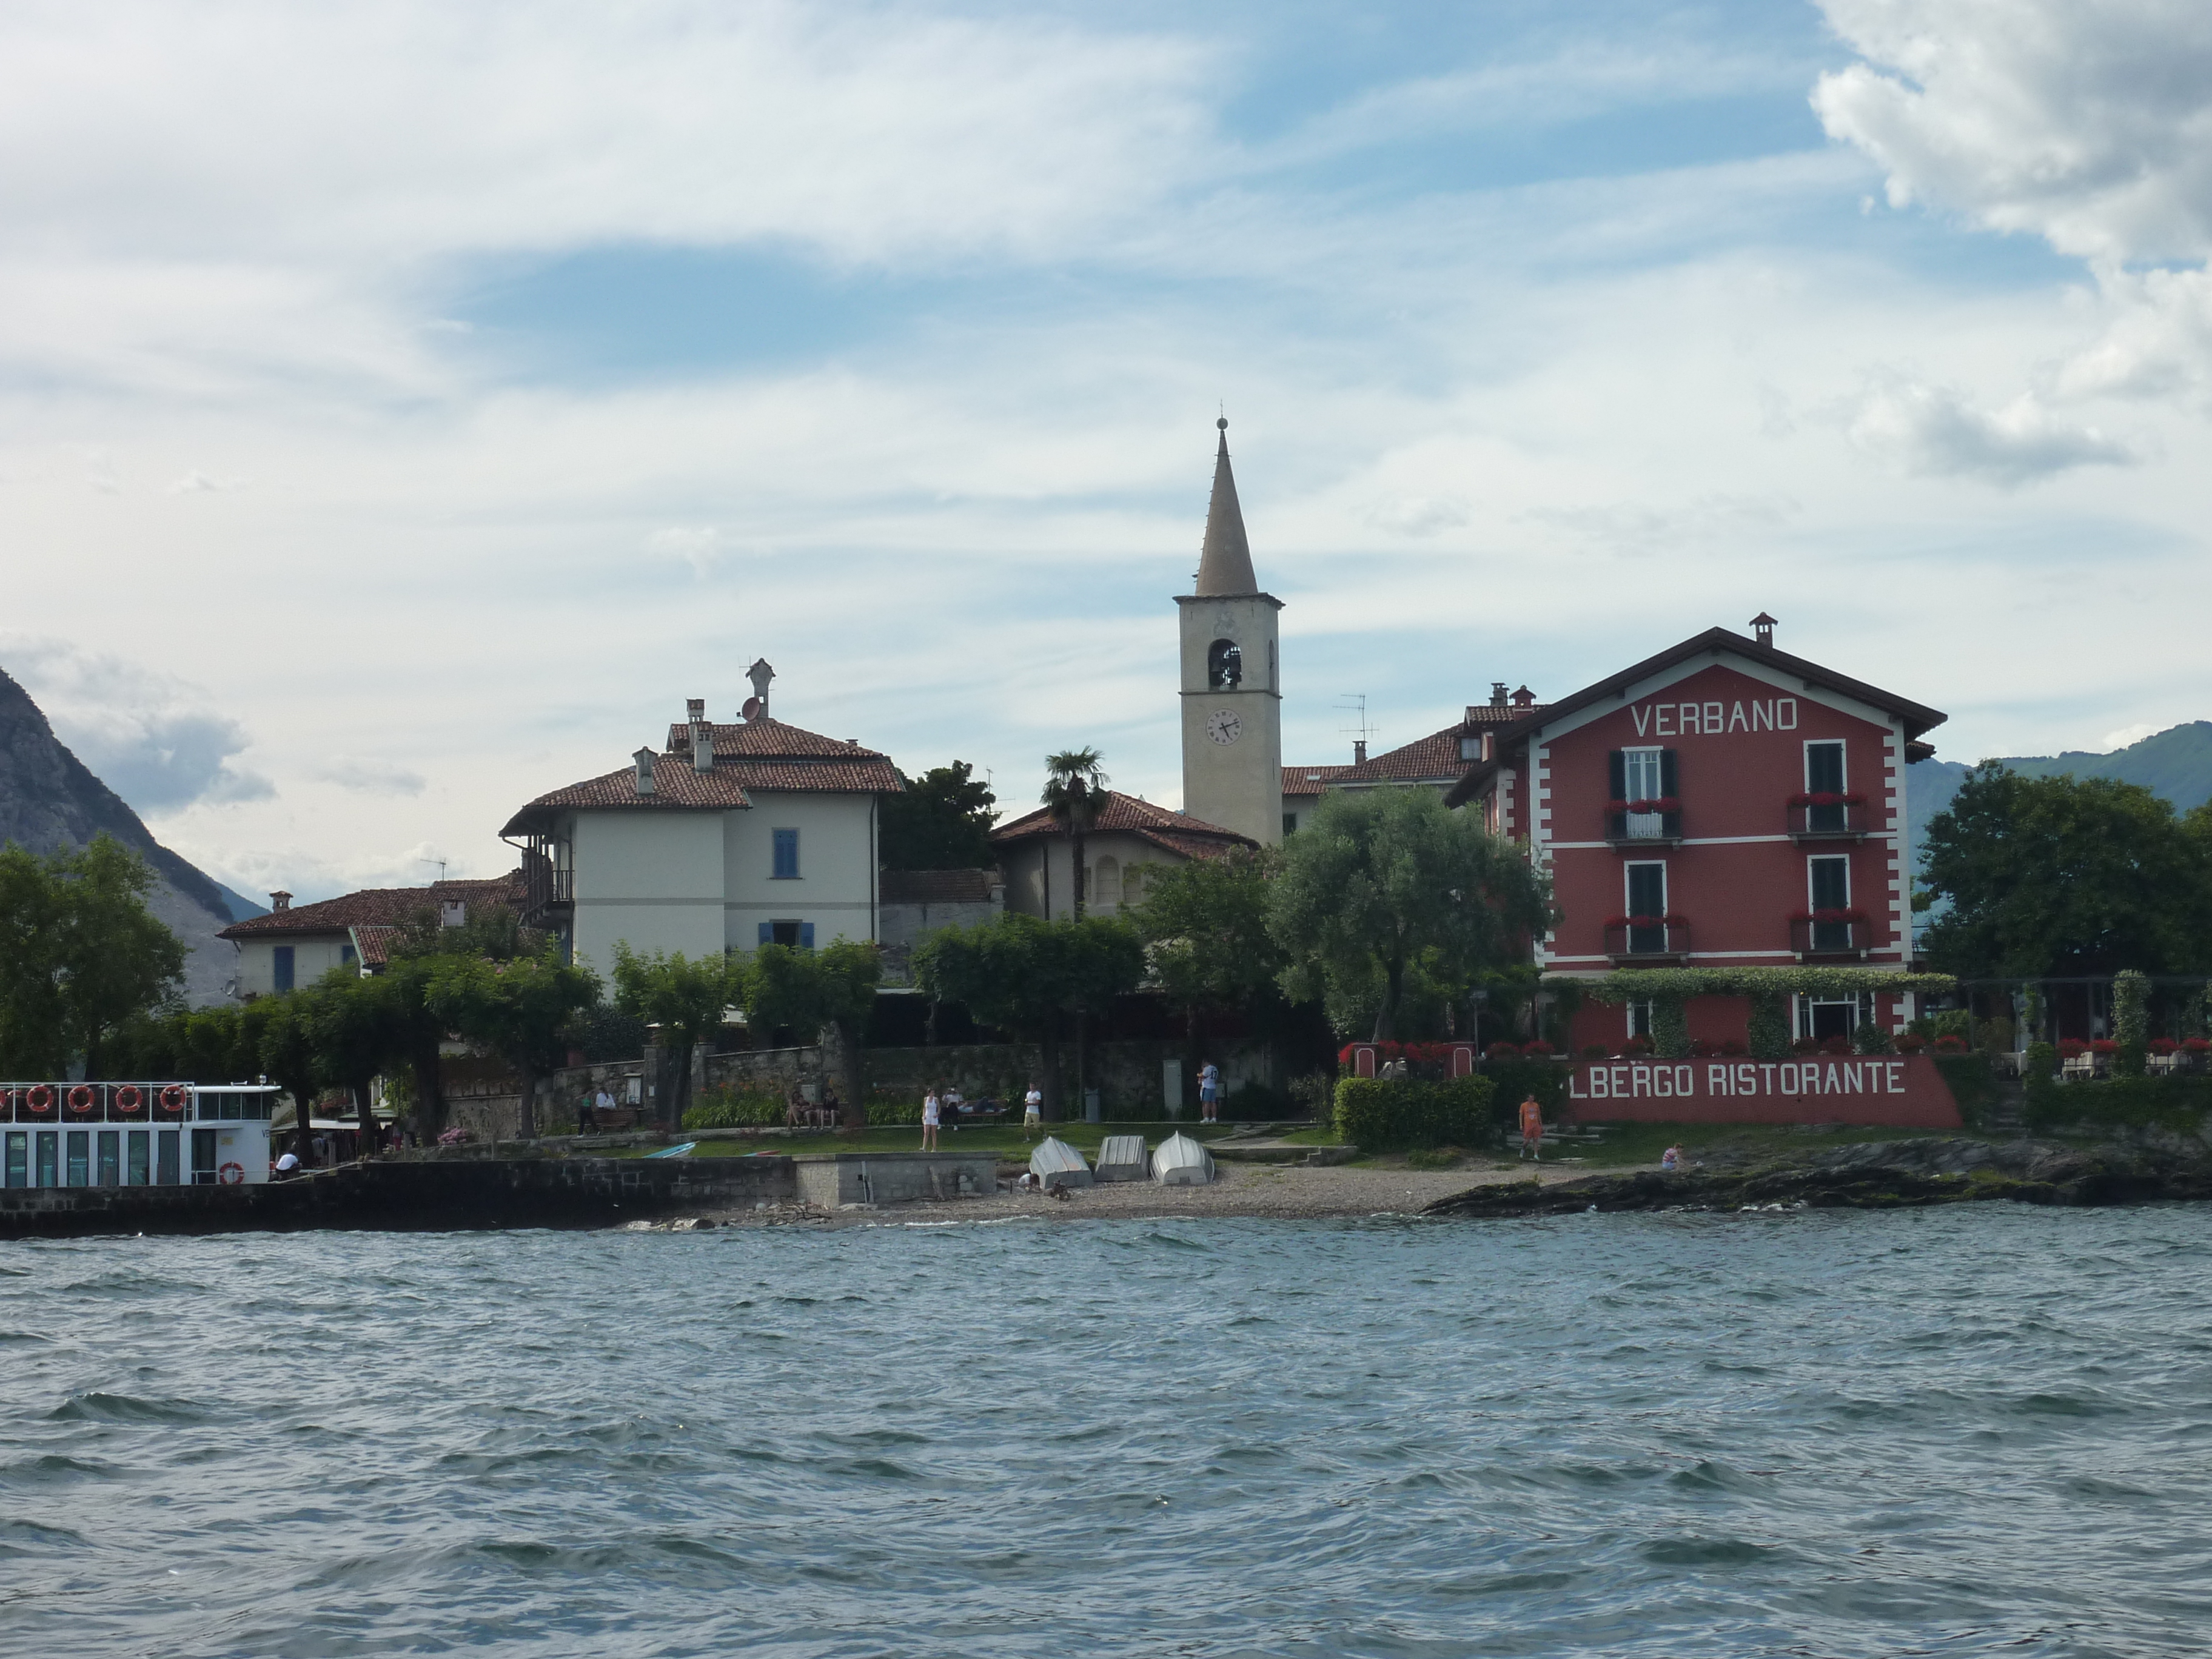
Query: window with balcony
column 1642, row 806
column 1829, row 925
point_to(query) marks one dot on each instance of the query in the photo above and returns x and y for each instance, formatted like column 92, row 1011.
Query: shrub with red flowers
column 1502, row 1051
column 1538, row 1049
column 1910, row 1043
column 2072, row 1048
column 2196, row 1045
column 2164, row 1046
column 1950, row 1044
column 2103, row 1045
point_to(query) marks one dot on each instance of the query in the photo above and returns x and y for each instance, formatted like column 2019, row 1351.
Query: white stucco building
column 1129, row 840
column 294, row 945
column 731, row 836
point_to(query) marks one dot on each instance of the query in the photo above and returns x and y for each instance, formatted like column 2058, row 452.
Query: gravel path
column 1243, row 1189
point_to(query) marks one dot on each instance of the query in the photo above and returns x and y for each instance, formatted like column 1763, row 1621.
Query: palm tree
column 1074, row 790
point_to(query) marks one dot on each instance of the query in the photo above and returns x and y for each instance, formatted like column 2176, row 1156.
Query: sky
column 405, row 408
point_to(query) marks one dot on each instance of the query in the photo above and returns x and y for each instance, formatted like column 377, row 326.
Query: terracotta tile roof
column 938, row 886
column 766, row 739
column 1188, row 837
column 378, row 907
column 864, row 776
column 677, row 786
column 1310, row 780
column 373, row 945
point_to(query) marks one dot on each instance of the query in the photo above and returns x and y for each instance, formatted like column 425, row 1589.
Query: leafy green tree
column 942, row 821
column 81, row 956
column 686, row 997
column 2059, row 876
column 1381, row 884
column 353, row 1024
column 1204, row 928
column 1030, row 977
column 1074, row 790
column 832, row 989
column 281, row 1031
column 517, row 1009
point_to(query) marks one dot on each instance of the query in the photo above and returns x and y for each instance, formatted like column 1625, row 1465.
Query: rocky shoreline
column 1874, row 1175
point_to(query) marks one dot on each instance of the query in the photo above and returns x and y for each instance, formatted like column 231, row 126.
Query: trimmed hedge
column 1399, row 1114
column 1973, row 1084
column 2135, row 1103
column 728, row 1108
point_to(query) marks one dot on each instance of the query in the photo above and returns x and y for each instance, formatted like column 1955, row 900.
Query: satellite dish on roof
column 752, row 710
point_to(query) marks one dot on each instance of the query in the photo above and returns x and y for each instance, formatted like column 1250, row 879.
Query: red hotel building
column 1721, row 805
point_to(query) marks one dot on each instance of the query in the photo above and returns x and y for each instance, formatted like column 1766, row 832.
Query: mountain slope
column 2176, row 763
column 49, row 800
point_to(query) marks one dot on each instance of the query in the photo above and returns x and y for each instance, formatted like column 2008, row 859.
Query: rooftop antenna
column 1355, row 704
column 441, row 863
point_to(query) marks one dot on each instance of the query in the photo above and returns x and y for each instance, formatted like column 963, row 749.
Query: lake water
column 1956, row 1430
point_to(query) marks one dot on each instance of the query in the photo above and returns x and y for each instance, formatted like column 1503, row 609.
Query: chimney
column 1497, row 694
column 279, row 901
column 1524, row 698
column 644, row 759
column 1359, row 751
column 1762, row 629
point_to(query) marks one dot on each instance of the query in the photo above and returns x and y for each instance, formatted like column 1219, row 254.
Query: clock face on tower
column 1224, row 727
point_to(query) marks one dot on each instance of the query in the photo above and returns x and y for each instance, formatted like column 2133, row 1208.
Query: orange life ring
column 231, row 1174
column 173, row 1097
column 39, row 1097
column 81, row 1099
column 130, row 1099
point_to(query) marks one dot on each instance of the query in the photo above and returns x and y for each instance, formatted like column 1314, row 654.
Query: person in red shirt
column 1532, row 1129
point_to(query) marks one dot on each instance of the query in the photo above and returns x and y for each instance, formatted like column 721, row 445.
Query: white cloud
column 1938, row 431
column 149, row 737
column 2090, row 125
column 2129, row 734
column 369, row 777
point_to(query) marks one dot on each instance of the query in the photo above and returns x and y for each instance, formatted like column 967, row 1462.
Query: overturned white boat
column 1122, row 1158
column 1181, row 1162
column 1055, row 1160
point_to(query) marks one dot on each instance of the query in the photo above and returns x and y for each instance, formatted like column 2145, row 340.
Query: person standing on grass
column 1209, row 1093
column 1532, row 1129
column 929, row 1114
column 1032, row 1110
column 952, row 1104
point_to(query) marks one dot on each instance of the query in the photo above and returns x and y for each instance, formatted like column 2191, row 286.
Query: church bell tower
column 1232, row 692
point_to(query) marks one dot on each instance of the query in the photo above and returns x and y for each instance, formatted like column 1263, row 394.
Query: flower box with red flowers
column 2072, row 1048
column 1950, row 1045
column 2164, row 1046
column 1655, row 818
column 2105, row 1047
column 1910, row 1043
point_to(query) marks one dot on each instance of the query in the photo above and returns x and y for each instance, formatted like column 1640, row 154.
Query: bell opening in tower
column 1225, row 665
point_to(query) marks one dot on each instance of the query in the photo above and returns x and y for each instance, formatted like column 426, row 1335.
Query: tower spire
column 1224, row 564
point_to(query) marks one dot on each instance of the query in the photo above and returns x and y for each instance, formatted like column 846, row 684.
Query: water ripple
column 1852, row 1435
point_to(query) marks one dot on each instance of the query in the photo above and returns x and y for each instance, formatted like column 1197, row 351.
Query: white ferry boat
column 135, row 1134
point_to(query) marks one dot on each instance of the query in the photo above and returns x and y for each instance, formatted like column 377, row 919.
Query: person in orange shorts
column 1532, row 1129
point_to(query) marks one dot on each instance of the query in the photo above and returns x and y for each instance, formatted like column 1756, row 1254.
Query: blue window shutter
column 767, row 932
column 806, row 936
column 787, row 854
column 282, row 971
